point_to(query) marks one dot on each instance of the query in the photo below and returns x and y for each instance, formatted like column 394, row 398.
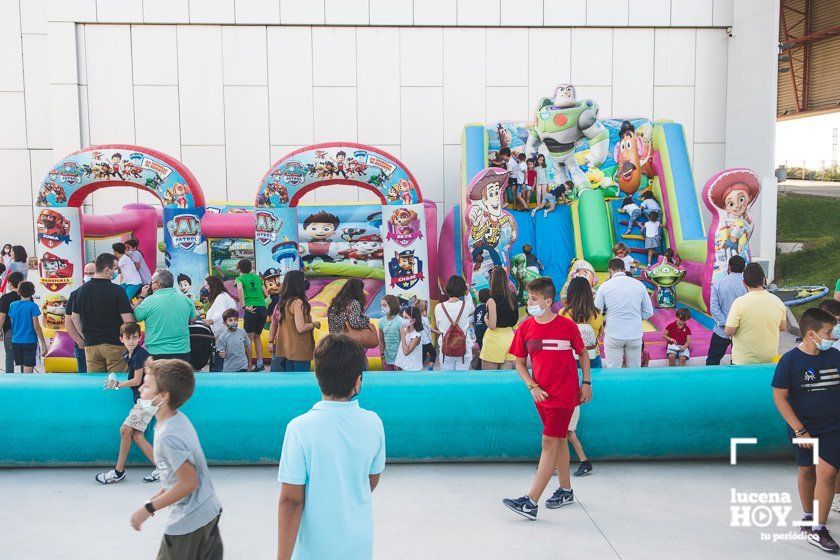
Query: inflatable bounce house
column 600, row 166
column 391, row 244
column 597, row 171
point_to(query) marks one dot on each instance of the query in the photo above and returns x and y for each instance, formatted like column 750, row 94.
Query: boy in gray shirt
column 233, row 345
column 192, row 530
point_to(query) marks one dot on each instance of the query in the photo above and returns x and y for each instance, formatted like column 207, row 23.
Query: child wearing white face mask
column 233, row 345
column 389, row 331
column 410, row 352
column 833, row 307
column 134, row 427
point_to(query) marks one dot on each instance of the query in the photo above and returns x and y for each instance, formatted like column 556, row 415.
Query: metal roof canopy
column 809, row 58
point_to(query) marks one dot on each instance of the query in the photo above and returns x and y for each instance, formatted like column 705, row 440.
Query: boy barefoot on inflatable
column 549, row 340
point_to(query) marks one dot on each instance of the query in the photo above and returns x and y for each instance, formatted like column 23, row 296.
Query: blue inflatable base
column 648, row 413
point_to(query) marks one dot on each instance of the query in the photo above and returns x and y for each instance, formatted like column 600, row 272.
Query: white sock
column 807, row 514
column 565, row 489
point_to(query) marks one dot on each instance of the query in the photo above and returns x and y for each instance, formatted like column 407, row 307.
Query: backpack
column 587, row 333
column 454, row 339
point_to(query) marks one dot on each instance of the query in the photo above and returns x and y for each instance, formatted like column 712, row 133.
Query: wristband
column 150, row 507
column 532, row 386
column 586, row 382
column 800, row 431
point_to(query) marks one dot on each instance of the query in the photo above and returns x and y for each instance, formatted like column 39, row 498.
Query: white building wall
column 230, row 86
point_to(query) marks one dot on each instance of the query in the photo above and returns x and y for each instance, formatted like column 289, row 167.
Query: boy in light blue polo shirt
column 330, row 463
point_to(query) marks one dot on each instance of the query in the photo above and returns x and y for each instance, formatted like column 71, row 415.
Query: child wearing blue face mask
column 134, row 427
column 833, row 307
column 806, row 391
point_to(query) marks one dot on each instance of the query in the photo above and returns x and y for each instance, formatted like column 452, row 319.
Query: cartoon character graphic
column 55, row 272
column 185, row 285
column 53, row 311
column 53, row 228
column 275, row 188
column 632, row 155
column 520, row 272
column 488, row 221
column 664, row 276
column 364, row 249
column 181, row 191
column 131, row 170
column 729, row 195
column 320, row 227
column 561, row 123
column 405, row 191
column 404, row 226
column 340, row 158
column 51, row 188
column 271, row 282
column 405, row 269
column 116, row 161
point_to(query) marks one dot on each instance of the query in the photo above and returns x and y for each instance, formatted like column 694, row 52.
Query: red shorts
column 555, row 420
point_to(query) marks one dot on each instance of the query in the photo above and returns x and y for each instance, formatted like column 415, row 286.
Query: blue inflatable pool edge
column 648, row 413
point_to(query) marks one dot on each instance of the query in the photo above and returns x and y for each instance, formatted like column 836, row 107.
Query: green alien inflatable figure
column 664, row 276
column 523, row 276
column 561, row 122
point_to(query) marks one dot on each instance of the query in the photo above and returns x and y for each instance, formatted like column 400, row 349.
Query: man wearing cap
column 487, row 217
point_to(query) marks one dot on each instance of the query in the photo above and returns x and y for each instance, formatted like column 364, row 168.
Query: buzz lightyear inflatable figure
column 563, row 121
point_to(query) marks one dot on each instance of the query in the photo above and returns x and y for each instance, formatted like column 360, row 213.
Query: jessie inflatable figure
column 729, row 195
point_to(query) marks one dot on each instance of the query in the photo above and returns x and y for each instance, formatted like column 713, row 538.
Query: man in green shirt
column 837, row 290
column 167, row 313
column 252, row 295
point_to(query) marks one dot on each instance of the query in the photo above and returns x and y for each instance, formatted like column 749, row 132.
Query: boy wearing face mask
column 192, row 530
column 833, row 307
column 330, row 463
column 549, row 340
column 233, row 345
column 134, row 427
column 806, row 391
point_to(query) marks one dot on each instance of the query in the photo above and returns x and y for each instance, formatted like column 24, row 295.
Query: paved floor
column 817, row 188
column 626, row 510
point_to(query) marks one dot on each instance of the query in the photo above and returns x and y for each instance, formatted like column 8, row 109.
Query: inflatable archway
column 61, row 228
column 383, row 241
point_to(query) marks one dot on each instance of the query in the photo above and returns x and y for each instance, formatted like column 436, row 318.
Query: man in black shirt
column 6, row 300
column 78, row 341
column 99, row 308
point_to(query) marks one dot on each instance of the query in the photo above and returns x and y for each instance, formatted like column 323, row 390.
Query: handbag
column 367, row 337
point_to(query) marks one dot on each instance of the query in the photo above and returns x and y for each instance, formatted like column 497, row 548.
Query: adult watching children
column 724, row 292
column 167, row 314
column 502, row 316
column 625, row 303
column 99, row 309
column 755, row 321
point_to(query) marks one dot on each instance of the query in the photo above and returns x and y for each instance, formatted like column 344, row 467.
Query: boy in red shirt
column 678, row 337
column 551, row 341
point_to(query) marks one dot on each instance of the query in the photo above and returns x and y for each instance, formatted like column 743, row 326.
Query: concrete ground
column 626, row 510
column 816, row 188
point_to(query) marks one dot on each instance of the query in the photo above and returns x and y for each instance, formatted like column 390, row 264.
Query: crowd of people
column 552, row 352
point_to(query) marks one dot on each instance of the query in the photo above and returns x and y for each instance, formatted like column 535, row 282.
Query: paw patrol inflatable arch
column 61, row 227
column 390, row 243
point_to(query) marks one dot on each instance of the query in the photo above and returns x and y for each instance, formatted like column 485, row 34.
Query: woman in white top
column 410, row 351
column 460, row 309
column 220, row 301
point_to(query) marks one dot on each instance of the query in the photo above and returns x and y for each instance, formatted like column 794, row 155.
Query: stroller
column 202, row 345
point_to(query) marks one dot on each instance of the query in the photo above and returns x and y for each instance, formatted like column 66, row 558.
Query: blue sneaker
column 560, row 498
column 524, row 506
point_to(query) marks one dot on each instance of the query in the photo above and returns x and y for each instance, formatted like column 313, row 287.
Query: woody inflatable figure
column 488, row 220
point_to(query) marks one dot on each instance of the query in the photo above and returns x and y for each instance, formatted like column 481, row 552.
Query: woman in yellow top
column 502, row 315
column 580, row 308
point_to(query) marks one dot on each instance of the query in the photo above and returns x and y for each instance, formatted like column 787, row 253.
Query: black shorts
column 254, row 321
column 24, row 353
column 429, row 353
column 829, row 450
column 185, row 357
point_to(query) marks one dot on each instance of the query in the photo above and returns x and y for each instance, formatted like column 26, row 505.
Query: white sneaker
column 110, row 477
column 836, row 504
column 533, row 213
column 545, row 213
column 154, row 476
